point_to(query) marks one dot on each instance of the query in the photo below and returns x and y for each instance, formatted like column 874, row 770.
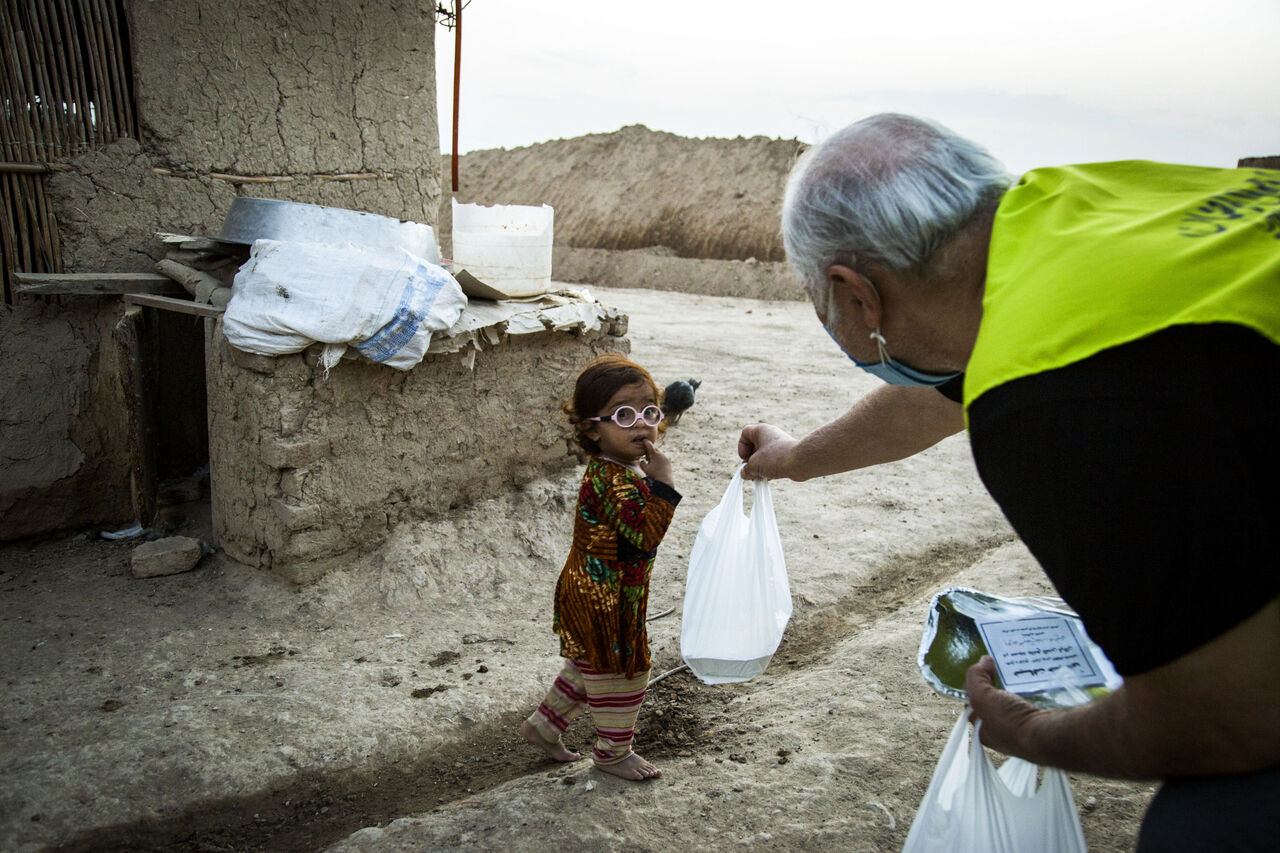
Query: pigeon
column 677, row 399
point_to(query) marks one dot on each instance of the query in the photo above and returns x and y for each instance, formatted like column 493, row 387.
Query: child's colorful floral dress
column 603, row 590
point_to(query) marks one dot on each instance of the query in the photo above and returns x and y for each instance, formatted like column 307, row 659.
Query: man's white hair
column 891, row 187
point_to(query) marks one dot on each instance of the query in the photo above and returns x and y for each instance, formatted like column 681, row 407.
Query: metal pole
column 457, row 74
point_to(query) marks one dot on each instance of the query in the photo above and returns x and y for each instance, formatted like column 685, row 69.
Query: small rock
column 590, row 786
column 169, row 556
column 112, row 705
column 368, row 834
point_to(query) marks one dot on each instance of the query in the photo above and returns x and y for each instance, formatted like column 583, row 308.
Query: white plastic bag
column 385, row 302
column 970, row 806
column 737, row 601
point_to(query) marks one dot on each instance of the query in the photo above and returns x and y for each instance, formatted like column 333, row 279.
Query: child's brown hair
column 596, row 385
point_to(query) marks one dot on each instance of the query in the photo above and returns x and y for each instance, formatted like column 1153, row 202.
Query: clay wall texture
column 305, row 89
column 307, row 468
column 63, row 462
column 333, row 102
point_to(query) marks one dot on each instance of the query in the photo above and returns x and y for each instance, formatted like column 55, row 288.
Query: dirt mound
column 658, row 269
column 636, row 188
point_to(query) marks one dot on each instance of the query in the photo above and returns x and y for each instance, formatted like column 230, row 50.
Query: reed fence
column 65, row 87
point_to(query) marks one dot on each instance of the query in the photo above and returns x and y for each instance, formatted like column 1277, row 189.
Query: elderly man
column 1109, row 334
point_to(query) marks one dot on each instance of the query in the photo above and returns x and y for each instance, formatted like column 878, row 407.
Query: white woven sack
column 385, row 302
column 737, row 600
column 971, row 806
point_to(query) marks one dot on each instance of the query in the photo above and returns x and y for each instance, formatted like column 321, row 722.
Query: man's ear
column 856, row 294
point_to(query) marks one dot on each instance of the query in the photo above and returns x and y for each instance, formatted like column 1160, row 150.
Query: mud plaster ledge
column 311, row 467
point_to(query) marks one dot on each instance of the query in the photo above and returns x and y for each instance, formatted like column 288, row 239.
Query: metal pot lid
column 252, row 219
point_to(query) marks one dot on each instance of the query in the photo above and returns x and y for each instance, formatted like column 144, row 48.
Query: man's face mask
column 889, row 369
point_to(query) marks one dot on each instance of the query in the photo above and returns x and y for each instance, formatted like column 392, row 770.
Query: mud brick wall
column 307, row 469
column 64, row 462
column 318, row 101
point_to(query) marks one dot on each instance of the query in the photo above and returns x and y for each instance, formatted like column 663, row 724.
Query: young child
column 625, row 504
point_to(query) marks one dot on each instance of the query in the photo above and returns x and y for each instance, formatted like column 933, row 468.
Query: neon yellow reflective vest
column 1084, row 258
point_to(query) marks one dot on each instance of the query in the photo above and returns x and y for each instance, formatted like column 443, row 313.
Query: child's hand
column 656, row 464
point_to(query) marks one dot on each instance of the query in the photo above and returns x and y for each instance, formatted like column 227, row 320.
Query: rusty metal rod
column 457, row 75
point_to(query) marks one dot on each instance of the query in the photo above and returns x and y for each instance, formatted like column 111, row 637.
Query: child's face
column 626, row 445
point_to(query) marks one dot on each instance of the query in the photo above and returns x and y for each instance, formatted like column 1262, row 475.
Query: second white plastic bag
column 384, row 301
column 737, row 600
column 971, row 806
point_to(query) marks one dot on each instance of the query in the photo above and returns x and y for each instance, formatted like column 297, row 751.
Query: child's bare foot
column 632, row 767
column 556, row 749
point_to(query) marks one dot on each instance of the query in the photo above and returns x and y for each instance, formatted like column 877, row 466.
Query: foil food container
column 960, row 622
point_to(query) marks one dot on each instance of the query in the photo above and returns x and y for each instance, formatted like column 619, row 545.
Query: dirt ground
column 375, row 710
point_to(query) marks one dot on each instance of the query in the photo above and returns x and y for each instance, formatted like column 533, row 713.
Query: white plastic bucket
column 506, row 246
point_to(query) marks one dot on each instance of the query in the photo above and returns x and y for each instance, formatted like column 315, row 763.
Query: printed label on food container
column 1040, row 652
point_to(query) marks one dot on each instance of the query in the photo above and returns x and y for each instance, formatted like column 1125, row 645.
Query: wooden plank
column 251, row 179
column 141, row 442
column 201, row 244
column 34, row 168
column 93, row 283
column 26, row 168
column 182, row 306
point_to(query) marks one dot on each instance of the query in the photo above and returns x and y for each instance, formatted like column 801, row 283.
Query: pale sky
column 1038, row 82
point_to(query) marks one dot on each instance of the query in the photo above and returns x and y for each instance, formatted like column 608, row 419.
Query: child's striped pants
column 614, row 701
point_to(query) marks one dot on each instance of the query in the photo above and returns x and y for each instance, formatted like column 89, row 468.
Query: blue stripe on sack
column 416, row 300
